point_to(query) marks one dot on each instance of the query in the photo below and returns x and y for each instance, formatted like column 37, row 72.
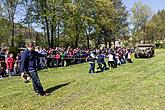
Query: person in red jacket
column 57, row 57
column 10, row 65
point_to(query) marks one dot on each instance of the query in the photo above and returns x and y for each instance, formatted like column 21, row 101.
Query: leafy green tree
column 1, row 10
column 10, row 7
column 156, row 27
column 105, row 18
column 141, row 14
column 4, row 31
column 121, row 29
column 76, row 22
column 28, row 7
column 159, row 20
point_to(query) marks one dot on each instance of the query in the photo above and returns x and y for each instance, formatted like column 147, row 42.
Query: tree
column 10, row 7
column 77, row 22
column 121, row 20
column 28, row 7
column 1, row 9
column 4, row 31
column 156, row 26
column 103, row 15
column 141, row 14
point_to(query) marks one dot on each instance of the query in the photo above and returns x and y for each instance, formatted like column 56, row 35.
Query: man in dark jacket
column 99, row 61
column 28, row 66
column 91, row 58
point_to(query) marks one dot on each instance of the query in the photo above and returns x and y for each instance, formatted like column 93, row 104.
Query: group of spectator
column 9, row 65
column 60, row 56
column 56, row 57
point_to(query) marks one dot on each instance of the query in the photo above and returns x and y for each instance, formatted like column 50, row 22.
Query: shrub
column 157, row 44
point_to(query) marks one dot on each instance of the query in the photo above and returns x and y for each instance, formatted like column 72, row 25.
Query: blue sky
column 154, row 4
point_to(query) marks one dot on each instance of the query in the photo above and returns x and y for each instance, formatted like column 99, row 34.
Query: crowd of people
column 27, row 62
column 116, row 57
column 60, row 57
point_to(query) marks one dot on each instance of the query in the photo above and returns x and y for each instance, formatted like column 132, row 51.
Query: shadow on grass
column 145, row 57
column 51, row 89
column 99, row 71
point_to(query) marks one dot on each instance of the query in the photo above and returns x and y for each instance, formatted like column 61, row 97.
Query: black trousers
column 100, row 67
column 115, row 63
column 104, row 65
column 36, row 82
column 129, row 60
column 92, row 68
column 111, row 64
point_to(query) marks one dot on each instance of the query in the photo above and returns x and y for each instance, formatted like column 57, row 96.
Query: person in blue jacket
column 103, row 56
column 99, row 61
column 28, row 66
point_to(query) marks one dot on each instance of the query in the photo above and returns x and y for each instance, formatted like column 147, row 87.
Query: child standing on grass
column 111, row 62
column 103, row 56
column 10, row 65
column 99, row 61
column 91, row 59
column 117, row 59
column 129, row 56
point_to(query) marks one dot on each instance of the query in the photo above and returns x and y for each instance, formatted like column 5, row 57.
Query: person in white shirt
column 117, row 59
column 111, row 62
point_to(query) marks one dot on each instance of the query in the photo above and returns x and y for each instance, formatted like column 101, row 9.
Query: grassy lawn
column 136, row 86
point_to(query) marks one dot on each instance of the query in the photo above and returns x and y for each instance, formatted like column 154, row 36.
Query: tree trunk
column 52, row 35
column 104, row 33
column 58, row 34
column 98, row 42
column 30, row 31
column 87, row 39
column 77, row 36
column 13, row 28
column 105, row 41
column 47, row 31
column 110, row 39
column 114, row 40
column 109, row 44
column 45, row 38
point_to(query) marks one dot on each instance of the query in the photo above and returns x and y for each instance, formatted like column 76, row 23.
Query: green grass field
column 136, row 86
